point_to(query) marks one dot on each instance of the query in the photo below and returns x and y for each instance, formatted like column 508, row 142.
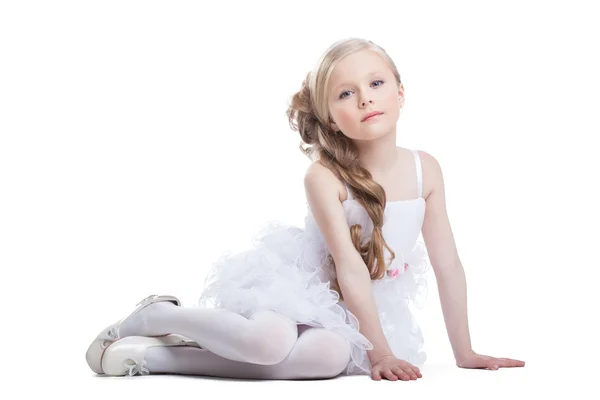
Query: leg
column 266, row 338
column 317, row 354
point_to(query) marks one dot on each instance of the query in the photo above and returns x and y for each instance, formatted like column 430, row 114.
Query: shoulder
column 322, row 188
column 428, row 160
column 432, row 173
column 320, row 179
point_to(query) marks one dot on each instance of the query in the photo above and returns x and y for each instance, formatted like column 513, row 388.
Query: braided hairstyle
column 307, row 114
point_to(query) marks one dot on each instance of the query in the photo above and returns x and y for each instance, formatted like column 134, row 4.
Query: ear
column 401, row 96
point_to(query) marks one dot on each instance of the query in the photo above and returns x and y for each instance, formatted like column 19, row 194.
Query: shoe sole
column 118, row 357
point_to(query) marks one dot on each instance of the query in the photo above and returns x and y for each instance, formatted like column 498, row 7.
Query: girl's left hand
column 474, row 360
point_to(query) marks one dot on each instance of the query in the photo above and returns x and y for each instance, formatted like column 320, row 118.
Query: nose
column 364, row 95
column 364, row 103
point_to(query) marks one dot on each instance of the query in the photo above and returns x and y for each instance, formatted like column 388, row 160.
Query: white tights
column 267, row 345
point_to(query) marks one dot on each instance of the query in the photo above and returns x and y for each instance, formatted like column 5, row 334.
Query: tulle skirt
column 284, row 272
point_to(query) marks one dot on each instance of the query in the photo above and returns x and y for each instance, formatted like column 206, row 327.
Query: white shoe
column 110, row 334
column 126, row 356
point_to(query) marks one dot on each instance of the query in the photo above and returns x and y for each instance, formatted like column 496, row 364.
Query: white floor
column 438, row 381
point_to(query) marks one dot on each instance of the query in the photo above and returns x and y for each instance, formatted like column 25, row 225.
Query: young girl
column 332, row 297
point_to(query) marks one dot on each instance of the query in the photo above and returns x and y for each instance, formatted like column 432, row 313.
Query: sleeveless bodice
column 403, row 220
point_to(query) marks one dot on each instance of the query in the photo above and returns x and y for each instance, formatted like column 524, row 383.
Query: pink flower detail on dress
column 393, row 272
column 405, row 266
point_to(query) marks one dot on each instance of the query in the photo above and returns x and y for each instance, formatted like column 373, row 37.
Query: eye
column 346, row 91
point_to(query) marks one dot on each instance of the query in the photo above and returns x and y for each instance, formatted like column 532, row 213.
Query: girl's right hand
column 393, row 368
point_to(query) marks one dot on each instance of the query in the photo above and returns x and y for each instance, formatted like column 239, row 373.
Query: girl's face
column 360, row 84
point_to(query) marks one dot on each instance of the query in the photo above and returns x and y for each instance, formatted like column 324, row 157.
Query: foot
column 113, row 332
column 142, row 324
column 127, row 356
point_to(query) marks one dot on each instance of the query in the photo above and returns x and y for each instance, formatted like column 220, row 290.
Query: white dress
column 286, row 271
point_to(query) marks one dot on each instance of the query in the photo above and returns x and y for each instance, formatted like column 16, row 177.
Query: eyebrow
column 346, row 83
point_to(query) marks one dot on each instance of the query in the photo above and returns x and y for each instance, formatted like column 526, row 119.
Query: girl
column 332, row 297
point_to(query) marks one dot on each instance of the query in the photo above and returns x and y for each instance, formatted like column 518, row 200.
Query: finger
column 493, row 364
column 390, row 375
column 400, row 373
column 417, row 372
column 509, row 363
column 476, row 363
column 518, row 363
column 410, row 373
column 407, row 373
column 376, row 375
column 412, row 370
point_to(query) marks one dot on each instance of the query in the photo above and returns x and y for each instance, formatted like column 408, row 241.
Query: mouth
column 371, row 116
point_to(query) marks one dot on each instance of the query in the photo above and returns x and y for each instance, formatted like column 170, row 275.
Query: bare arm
column 355, row 284
column 446, row 264
column 322, row 192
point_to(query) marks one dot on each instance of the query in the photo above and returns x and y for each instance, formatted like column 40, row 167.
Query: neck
column 378, row 156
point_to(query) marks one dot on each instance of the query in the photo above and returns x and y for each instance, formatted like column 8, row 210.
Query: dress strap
column 349, row 192
column 419, row 172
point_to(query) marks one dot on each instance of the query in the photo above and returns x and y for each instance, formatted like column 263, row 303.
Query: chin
column 376, row 132
column 371, row 132
column 371, row 136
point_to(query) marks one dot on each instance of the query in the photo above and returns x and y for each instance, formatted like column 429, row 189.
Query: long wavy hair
column 308, row 113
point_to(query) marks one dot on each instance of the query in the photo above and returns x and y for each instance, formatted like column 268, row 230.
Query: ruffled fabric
column 286, row 271
column 283, row 273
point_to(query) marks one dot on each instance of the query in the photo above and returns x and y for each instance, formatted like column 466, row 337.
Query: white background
column 140, row 140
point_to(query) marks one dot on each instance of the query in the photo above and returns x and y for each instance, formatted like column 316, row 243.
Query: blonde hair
column 309, row 114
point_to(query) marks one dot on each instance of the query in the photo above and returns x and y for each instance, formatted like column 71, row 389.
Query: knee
column 331, row 357
column 270, row 341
